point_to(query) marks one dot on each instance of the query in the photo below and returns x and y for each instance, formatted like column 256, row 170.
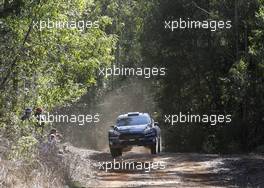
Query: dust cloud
column 130, row 95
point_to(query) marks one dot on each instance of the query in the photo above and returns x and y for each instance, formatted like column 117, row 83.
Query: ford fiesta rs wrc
column 134, row 129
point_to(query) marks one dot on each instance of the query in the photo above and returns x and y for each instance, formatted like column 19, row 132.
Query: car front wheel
column 115, row 152
column 155, row 147
column 160, row 145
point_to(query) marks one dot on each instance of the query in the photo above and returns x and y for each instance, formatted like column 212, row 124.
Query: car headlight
column 113, row 133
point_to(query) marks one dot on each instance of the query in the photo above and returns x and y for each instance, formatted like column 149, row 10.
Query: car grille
column 130, row 136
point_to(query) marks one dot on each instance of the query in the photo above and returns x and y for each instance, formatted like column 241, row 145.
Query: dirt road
column 181, row 170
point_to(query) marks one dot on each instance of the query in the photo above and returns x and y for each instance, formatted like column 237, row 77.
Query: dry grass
column 17, row 174
column 42, row 173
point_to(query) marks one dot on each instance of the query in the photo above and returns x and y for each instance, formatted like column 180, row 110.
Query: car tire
column 154, row 147
column 160, row 145
column 115, row 152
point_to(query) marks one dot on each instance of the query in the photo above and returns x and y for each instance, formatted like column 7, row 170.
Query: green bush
column 24, row 149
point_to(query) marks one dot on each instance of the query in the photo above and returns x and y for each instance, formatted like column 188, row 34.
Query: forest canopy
column 47, row 63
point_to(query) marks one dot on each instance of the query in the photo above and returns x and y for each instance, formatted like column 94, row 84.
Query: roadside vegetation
column 207, row 72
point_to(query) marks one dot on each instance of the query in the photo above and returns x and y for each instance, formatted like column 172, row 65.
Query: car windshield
column 133, row 120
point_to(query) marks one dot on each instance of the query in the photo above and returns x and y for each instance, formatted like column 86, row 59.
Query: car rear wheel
column 115, row 152
column 160, row 145
column 154, row 148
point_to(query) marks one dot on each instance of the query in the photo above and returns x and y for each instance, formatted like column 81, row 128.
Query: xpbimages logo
column 79, row 119
column 59, row 24
column 212, row 119
column 146, row 166
column 146, row 72
column 213, row 25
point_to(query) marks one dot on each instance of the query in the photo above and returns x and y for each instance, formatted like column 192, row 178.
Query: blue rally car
column 134, row 129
